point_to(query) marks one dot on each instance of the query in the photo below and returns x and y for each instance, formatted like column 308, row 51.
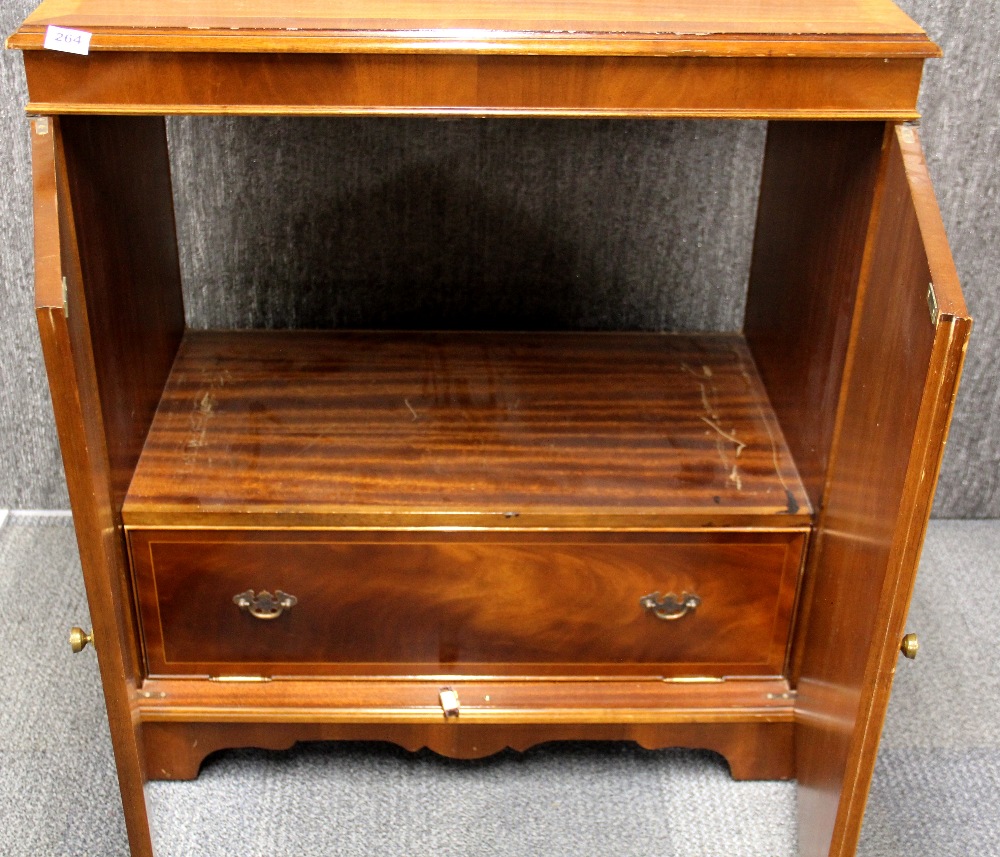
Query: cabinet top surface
column 704, row 27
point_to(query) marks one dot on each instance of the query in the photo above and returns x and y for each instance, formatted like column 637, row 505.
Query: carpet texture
column 934, row 794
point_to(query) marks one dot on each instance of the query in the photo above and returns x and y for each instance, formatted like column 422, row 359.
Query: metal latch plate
column 932, row 303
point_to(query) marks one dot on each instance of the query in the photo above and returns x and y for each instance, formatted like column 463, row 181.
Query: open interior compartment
column 497, row 225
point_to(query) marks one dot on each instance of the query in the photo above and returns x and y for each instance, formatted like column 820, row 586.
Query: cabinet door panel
column 907, row 345
column 110, row 315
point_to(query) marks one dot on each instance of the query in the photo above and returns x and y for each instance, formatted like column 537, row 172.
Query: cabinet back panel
column 474, row 224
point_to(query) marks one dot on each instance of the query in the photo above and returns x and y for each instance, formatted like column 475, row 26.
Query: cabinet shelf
column 514, row 430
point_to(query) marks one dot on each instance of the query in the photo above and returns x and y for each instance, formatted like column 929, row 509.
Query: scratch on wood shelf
column 740, row 445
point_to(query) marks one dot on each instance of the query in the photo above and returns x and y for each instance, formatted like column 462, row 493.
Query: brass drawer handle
column 669, row 607
column 264, row 605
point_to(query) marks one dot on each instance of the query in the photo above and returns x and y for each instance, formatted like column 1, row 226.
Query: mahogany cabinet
column 470, row 540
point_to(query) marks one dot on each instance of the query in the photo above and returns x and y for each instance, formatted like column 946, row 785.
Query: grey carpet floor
column 935, row 791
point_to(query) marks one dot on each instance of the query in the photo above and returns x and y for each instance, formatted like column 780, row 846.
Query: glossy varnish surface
column 644, row 26
column 109, row 326
column 386, row 83
column 119, row 174
column 349, row 429
column 900, row 384
column 748, row 721
column 815, row 205
column 756, row 749
column 784, row 59
column 466, row 604
column 109, row 336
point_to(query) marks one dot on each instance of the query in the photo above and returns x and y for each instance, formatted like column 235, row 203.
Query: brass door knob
column 910, row 646
column 79, row 639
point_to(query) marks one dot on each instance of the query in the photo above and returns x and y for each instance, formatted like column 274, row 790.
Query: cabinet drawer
column 465, row 603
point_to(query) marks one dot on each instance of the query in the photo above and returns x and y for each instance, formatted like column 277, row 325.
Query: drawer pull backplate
column 670, row 607
column 264, row 605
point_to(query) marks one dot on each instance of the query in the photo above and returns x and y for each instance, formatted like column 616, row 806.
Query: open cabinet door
column 907, row 344
column 110, row 316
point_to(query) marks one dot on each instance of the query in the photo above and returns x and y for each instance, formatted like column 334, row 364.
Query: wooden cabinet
column 699, row 540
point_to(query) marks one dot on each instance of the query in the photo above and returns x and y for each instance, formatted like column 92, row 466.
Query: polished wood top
column 338, row 428
column 782, row 59
column 652, row 27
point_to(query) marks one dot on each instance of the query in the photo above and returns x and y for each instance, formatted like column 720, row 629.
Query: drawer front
column 669, row 604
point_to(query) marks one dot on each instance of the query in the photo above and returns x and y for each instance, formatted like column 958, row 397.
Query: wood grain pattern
column 487, row 428
column 88, row 452
column 900, row 387
column 479, row 25
column 754, row 751
column 850, row 59
column 494, row 700
column 465, row 604
column 109, row 314
column 505, row 436
column 118, row 172
column 445, row 84
column 815, row 205
column 749, row 721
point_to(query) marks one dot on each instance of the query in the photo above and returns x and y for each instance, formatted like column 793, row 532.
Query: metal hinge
column 932, row 303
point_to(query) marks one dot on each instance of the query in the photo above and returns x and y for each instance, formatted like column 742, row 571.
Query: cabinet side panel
column 119, row 178
column 68, row 360
column 902, row 375
column 816, row 194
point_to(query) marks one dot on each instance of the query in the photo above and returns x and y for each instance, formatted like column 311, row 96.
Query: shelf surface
column 464, row 429
column 641, row 26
